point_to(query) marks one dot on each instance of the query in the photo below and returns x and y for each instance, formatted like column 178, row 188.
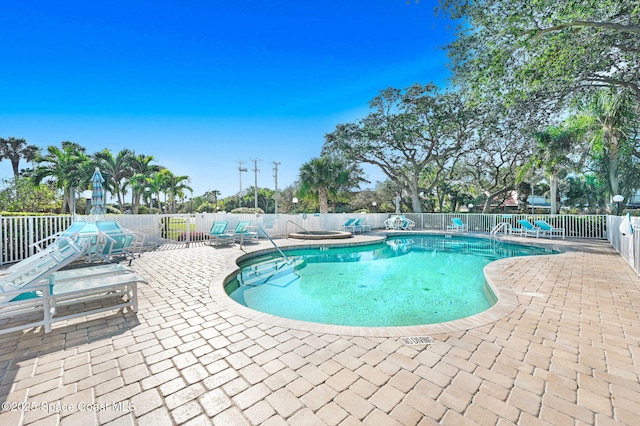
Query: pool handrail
column 284, row 256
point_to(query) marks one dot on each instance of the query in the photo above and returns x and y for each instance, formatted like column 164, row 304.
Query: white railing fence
column 17, row 234
column 627, row 246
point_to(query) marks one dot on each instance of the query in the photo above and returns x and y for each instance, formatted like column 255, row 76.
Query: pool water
column 399, row 282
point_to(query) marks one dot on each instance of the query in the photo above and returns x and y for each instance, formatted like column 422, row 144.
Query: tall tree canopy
column 406, row 132
column 546, row 50
column 611, row 120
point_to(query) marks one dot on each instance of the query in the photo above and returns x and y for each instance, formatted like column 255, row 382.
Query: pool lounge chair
column 242, row 233
column 218, row 234
column 457, row 225
column 398, row 222
column 359, row 226
column 348, row 223
column 119, row 241
column 527, row 229
column 407, row 224
column 69, row 294
column 546, row 229
column 30, row 271
column 104, row 240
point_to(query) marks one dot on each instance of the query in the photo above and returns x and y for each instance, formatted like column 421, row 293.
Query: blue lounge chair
column 361, row 226
column 242, row 233
column 218, row 234
column 348, row 223
column 407, row 224
column 118, row 240
column 457, row 225
column 527, row 229
column 546, row 229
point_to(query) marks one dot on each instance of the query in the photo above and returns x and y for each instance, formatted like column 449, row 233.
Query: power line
column 255, row 184
column 240, row 170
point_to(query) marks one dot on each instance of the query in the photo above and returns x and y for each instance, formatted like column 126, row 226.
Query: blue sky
column 202, row 84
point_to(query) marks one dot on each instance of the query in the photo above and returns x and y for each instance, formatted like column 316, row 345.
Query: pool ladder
column 504, row 227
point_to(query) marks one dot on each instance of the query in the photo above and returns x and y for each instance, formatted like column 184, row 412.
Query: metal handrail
column 502, row 226
column 274, row 244
column 293, row 223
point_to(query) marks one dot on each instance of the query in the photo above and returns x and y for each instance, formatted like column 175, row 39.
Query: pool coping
column 495, row 274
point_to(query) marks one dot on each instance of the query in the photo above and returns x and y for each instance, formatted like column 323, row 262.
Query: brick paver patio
column 566, row 353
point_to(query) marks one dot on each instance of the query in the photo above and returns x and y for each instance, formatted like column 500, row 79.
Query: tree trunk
column 553, row 183
column 323, row 200
column 416, row 205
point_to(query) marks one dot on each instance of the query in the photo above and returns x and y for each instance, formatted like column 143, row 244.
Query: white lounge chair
column 69, row 294
column 32, row 270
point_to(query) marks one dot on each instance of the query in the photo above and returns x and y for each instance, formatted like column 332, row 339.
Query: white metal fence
column 17, row 234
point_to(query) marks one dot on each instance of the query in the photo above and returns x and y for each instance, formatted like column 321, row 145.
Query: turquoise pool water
column 399, row 282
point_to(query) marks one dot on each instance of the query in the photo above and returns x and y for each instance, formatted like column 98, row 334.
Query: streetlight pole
column 295, row 203
column 618, row 199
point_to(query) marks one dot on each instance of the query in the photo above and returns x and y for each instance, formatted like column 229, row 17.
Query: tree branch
column 634, row 29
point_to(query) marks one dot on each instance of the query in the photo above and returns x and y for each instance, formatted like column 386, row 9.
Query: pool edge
column 507, row 302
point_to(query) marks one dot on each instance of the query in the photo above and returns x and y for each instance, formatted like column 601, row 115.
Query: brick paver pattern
column 568, row 354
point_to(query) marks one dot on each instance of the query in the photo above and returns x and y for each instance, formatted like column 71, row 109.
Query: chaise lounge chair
column 399, row 222
column 242, row 233
column 218, row 234
column 347, row 224
column 358, row 226
column 546, row 229
column 457, row 225
column 527, row 229
column 119, row 241
column 32, row 270
column 69, row 294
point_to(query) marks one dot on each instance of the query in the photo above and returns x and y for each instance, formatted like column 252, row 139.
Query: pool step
column 278, row 272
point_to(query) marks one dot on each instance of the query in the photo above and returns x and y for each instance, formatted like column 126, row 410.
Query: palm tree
column 139, row 181
column 554, row 146
column 157, row 183
column 212, row 197
column 13, row 149
column 324, row 177
column 175, row 187
column 116, row 170
column 69, row 167
column 608, row 120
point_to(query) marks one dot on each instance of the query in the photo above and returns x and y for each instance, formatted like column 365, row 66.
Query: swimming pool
column 402, row 281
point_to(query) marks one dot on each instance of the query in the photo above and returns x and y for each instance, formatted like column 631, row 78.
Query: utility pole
column 275, row 175
column 255, row 184
column 240, row 170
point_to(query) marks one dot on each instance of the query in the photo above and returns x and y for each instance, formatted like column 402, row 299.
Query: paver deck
column 566, row 352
